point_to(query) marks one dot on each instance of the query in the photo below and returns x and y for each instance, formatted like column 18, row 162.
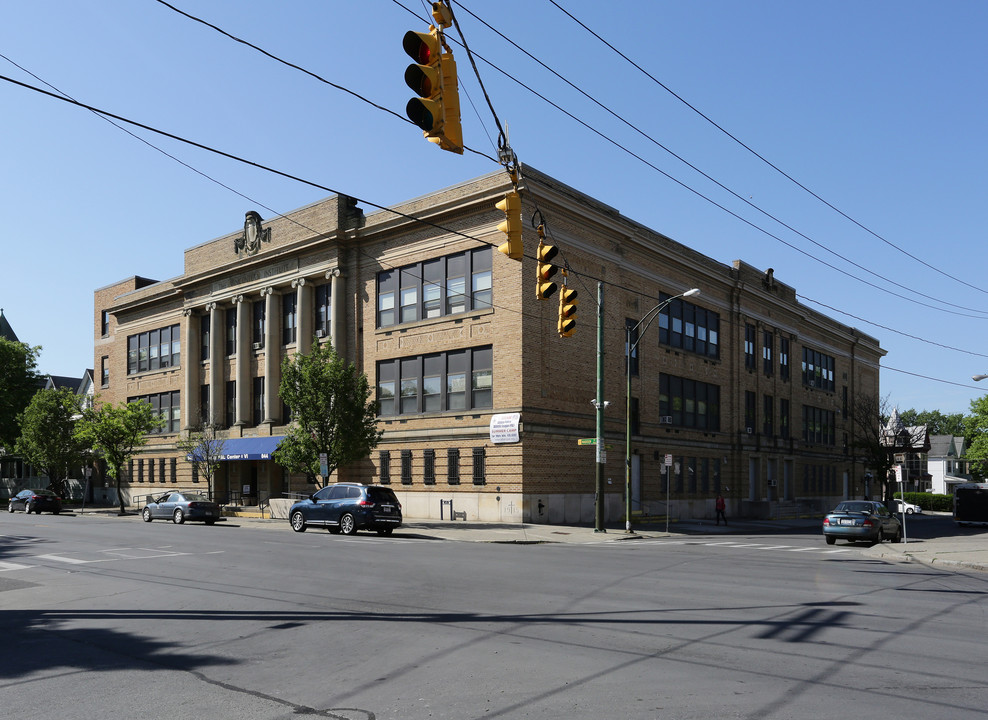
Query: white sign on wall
column 504, row 428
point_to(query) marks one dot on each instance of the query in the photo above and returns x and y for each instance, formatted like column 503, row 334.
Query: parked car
column 179, row 507
column 37, row 501
column 861, row 520
column 907, row 508
column 348, row 507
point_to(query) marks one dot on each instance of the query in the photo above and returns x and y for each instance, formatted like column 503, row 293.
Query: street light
column 978, row 378
column 646, row 321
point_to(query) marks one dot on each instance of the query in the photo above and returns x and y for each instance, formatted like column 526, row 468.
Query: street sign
column 592, row 441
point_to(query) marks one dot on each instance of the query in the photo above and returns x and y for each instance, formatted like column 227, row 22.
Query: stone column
column 216, row 342
column 304, row 320
column 337, row 311
column 191, row 369
column 272, row 354
column 243, row 360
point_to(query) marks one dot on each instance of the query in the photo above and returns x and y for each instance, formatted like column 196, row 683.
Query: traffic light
column 545, row 270
column 567, row 310
column 432, row 76
column 511, row 207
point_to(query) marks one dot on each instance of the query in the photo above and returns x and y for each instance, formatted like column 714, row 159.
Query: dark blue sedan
column 348, row 507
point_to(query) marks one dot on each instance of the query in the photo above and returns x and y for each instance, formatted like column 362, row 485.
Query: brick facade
column 550, row 381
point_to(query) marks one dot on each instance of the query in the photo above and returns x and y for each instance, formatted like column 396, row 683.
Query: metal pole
column 627, row 433
column 599, row 404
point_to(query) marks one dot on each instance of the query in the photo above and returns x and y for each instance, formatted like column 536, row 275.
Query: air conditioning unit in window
column 320, row 333
column 258, row 345
column 665, row 420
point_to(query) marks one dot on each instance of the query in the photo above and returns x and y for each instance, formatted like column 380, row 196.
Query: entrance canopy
column 255, row 448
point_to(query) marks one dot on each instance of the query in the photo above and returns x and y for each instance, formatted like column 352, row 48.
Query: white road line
column 6, row 566
column 60, row 558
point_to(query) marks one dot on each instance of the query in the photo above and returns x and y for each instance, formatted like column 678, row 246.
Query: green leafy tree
column 48, row 440
column 935, row 421
column 18, row 383
column 203, row 451
column 332, row 412
column 976, row 426
column 116, row 432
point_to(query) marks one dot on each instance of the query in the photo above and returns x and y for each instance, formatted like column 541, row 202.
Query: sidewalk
column 963, row 551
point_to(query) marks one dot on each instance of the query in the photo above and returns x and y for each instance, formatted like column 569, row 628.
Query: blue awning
column 254, row 448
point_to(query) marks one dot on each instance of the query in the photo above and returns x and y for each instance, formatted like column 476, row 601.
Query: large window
column 231, row 331
column 768, row 345
column 154, row 350
column 749, row 347
column 818, row 370
column 288, row 318
column 323, row 309
column 452, row 381
column 231, row 403
column 258, row 400
column 818, row 426
column 431, row 289
column 167, row 406
column 689, row 403
column 689, row 327
column 204, row 325
column 259, row 317
column 784, row 358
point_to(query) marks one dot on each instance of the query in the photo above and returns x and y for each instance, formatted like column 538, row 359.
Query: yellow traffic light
column 511, row 207
column 432, row 76
column 545, row 270
column 567, row 310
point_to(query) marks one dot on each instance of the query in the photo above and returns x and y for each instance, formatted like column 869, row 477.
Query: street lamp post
column 629, row 331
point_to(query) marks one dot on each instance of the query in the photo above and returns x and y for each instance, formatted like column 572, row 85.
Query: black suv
column 348, row 507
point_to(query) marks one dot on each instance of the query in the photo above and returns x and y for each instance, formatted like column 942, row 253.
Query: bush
column 929, row 501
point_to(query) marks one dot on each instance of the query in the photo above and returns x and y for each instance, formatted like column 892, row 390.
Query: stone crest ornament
column 250, row 242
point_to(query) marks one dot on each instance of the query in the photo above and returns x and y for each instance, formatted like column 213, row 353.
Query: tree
column 203, row 450
column 18, row 383
column 976, row 425
column 332, row 412
column 876, row 445
column 936, row 422
column 115, row 432
column 48, row 440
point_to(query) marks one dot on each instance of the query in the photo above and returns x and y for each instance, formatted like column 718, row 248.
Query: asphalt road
column 103, row 617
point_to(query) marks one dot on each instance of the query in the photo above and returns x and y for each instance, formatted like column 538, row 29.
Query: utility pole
column 600, row 405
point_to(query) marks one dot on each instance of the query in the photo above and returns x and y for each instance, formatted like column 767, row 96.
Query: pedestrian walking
column 720, row 506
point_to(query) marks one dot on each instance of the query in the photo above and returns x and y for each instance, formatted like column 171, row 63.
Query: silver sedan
column 861, row 520
column 179, row 507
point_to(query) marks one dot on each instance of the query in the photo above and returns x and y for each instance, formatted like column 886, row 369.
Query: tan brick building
column 745, row 389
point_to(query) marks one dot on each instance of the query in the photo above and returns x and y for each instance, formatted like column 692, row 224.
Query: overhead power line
column 706, row 175
column 779, row 170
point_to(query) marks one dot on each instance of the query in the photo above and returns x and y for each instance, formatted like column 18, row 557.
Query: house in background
column 945, row 465
column 15, row 473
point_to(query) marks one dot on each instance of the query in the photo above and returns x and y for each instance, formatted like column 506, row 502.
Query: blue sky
column 877, row 107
